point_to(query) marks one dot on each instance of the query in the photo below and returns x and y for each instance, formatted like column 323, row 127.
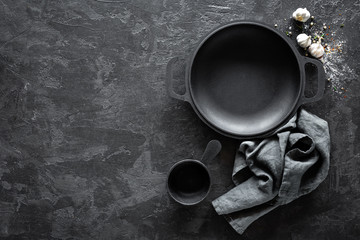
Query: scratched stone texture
column 88, row 132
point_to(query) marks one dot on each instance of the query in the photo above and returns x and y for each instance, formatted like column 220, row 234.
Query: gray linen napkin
column 283, row 167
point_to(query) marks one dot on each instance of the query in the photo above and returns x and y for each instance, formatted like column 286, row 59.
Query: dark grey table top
column 88, row 132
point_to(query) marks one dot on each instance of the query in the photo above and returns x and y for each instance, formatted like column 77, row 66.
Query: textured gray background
column 88, row 133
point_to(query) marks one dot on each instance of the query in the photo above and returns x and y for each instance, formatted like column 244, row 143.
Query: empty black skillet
column 246, row 79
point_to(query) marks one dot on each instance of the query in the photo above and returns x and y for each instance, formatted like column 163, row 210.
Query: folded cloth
column 283, row 167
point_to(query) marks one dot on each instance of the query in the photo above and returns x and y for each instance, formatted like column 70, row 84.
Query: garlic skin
column 303, row 40
column 301, row 15
column 316, row 49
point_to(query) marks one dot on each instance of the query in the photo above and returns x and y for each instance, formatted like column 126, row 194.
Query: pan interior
column 245, row 80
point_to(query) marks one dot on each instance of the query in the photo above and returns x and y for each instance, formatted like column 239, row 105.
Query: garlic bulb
column 303, row 40
column 316, row 49
column 301, row 15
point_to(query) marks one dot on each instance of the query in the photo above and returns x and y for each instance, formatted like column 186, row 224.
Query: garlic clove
column 301, row 15
column 316, row 49
column 303, row 40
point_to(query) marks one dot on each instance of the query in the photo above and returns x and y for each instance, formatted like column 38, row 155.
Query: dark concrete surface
column 88, row 132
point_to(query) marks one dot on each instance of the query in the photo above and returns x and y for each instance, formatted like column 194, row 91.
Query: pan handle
column 170, row 82
column 320, row 80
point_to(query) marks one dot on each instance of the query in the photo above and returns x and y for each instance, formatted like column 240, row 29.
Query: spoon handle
column 212, row 149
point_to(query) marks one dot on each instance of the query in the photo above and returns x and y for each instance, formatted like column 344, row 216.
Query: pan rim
column 226, row 132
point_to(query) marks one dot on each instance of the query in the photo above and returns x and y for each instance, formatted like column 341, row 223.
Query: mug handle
column 170, row 82
column 212, row 149
column 320, row 81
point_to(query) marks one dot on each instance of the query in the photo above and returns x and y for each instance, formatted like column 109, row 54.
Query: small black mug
column 189, row 180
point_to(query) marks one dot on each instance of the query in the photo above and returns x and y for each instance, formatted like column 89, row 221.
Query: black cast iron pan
column 245, row 80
